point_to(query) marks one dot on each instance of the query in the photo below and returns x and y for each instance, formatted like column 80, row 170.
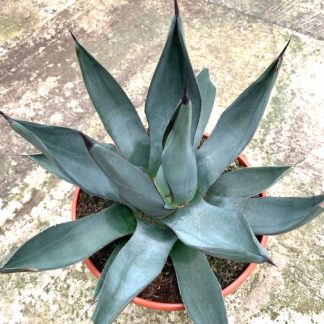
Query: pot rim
column 168, row 306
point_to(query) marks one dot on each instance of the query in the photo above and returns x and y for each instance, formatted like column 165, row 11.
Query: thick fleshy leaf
column 219, row 232
column 274, row 215
column 162, row 186
column 199, row 288
column 178, row 158
column 236, row 127
column 116, row 111
column 134, row 186
column 65, row 149
column 173, row 71
column 65, row 244
column 208, row 93
column 49, row 166
column 136, row 265
column 103, row 274
column 171, row 123
column 247, row 182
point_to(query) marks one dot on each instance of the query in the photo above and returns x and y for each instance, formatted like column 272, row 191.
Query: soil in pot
column 164, row 288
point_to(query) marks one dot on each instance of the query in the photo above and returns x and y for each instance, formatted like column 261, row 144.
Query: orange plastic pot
column 167, row 306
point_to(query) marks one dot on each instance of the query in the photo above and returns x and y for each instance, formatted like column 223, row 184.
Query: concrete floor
column 41, row 81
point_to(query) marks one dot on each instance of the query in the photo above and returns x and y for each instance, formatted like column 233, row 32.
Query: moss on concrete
column 11, row 26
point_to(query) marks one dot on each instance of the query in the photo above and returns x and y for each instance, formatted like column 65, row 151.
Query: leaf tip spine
column 13, row 270
column 6, row 117
column 185, row 97
column 72, row 35
column 268, row 260
column 280, row 56
column 25, row 155
column 30, row 270
column 86, row 140
column 176, row 9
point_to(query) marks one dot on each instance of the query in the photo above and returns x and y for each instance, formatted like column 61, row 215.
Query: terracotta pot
column 166, row 306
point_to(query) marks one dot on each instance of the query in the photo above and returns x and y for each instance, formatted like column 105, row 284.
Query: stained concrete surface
column 305, row 16
column 40, row 81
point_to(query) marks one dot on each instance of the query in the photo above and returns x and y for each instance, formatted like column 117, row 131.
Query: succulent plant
column 170, row 192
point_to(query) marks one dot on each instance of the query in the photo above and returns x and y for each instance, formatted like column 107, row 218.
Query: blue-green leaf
column 178, row 158
column 274, row 215
column 219, row 232
column 49, row 166
column 103, row 274
column 199, row 288
column 65, row 149
column 134, row 186
column 173, row 71
column 208, row 93
column 135, row 266
column 115, row 109
column 65, row 244
column 247, row 182
column 236, row 127
column 162, row 186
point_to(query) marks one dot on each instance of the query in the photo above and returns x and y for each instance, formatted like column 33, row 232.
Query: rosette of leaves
column 169, row 193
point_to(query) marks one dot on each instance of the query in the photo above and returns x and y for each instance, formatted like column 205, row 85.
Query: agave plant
column 170, row 192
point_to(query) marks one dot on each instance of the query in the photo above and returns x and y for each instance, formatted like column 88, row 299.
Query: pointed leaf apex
column 86, row 140
column 74, row 38
column 29, row 155
column 176, row 8
column 6, row 117
column 6, row 270
column 280, row 57
column 185, row 98
column 284, row 50
column 268, row 260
